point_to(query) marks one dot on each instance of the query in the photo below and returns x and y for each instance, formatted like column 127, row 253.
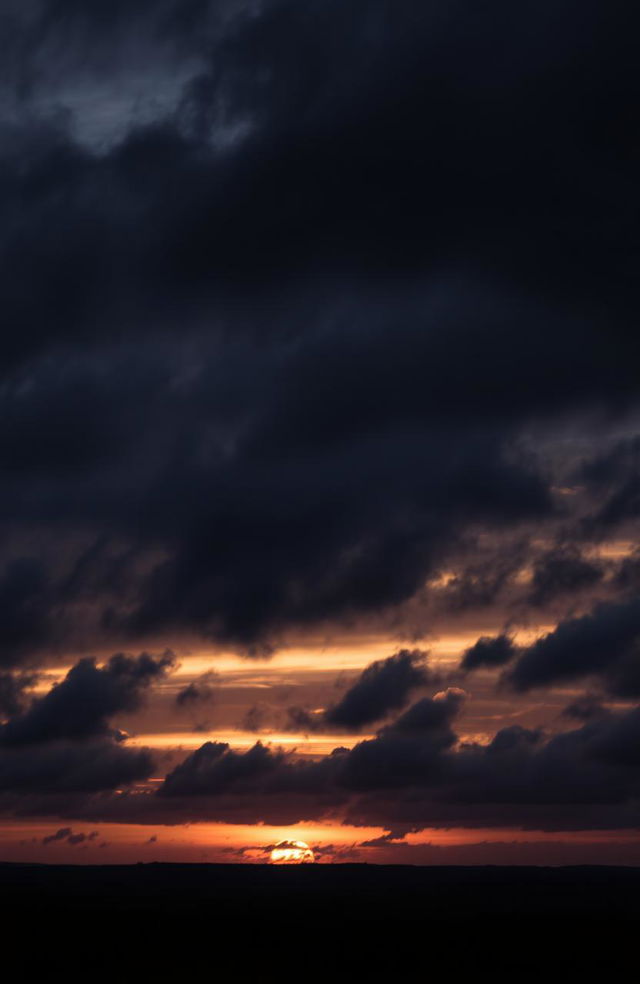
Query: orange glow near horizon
column 329, row 842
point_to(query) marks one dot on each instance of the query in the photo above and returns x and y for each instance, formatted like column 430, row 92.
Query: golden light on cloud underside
column 291, row 852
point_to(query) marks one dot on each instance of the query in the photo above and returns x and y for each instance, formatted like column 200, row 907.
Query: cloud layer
column 320, row 322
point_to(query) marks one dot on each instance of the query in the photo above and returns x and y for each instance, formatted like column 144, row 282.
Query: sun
column 291, row 852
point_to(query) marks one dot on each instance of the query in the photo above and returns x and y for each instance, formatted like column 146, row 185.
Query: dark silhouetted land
column 186, row 918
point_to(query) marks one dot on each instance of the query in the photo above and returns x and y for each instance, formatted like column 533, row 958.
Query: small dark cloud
column 429, row 715
column 61, row 834
column 66, row 835
column 384, row 686
column 584, row 709
column 384, row 840
column 488, row 652
column 198, row 691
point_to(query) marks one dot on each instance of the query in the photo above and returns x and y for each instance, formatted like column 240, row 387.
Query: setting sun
column 291, row 852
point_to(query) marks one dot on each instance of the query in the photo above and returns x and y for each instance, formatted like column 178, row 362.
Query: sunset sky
column 319, row 431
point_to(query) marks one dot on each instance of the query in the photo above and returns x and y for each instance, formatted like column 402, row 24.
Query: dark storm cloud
column 616, row 476
column 324, row 112
column 269, row 351
column 60, row 767
column 64, row 742
column 563, row 571
column 13, row 692
column 406, row 753
column 89, row 696
column 383, row 687
column 597, row 763
column 215, row 767
column 488, row 651
column 604, row 644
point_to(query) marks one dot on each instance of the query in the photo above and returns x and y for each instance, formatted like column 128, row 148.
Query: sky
column 319, row 431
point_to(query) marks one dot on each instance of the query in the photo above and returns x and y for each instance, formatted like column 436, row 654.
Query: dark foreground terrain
column 262, row 922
